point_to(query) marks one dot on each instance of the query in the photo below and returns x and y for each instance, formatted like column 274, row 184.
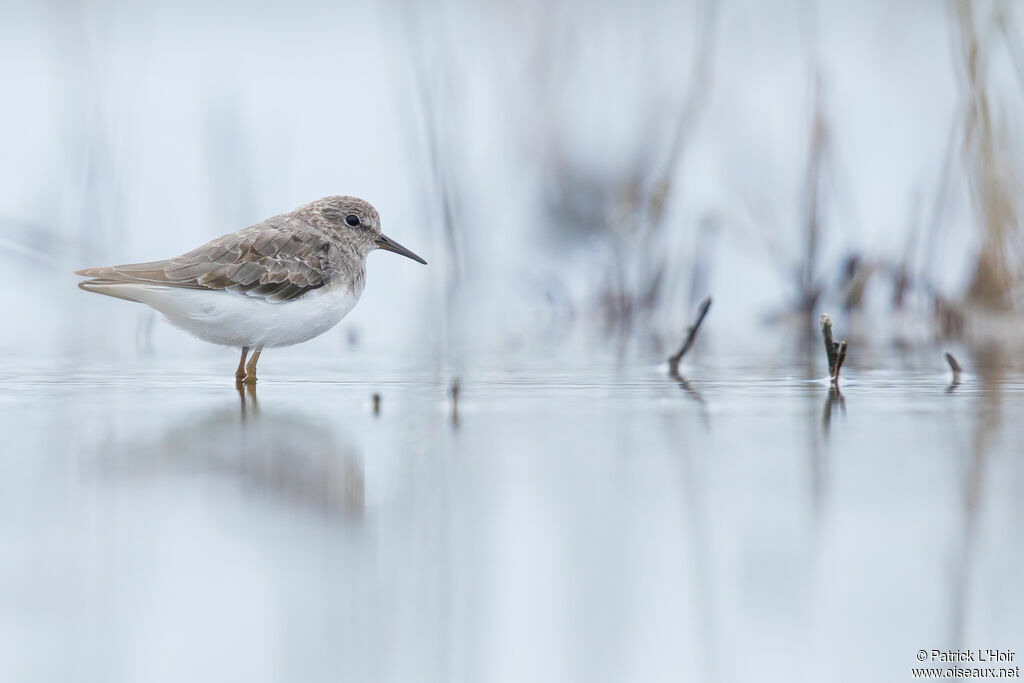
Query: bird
column 280, row 282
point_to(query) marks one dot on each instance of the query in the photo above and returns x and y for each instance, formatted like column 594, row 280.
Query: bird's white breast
column 234, row 319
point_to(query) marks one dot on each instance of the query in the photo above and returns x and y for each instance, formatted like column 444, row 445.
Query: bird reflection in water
column 247, row 398
column 287, row 456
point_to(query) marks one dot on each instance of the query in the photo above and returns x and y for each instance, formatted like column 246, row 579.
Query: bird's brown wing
column 271, row 261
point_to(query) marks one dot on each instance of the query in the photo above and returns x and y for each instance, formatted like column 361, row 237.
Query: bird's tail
column 120, row 290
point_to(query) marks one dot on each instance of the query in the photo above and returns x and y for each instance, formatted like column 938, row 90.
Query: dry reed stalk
column 990, row 165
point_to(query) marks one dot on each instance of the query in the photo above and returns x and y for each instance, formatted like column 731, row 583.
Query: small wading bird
column 277, row 283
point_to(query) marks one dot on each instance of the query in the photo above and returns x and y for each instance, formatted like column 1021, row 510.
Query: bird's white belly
column 239, row 320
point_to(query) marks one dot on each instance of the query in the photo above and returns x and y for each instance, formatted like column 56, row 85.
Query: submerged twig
column 691, row 334
column 955, row 367
column 836, row 351
column 454, row 390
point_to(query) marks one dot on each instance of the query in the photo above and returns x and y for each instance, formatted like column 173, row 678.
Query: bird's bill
column 387, row 244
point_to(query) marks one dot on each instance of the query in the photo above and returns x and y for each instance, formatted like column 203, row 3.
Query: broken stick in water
column 840, row 357
column 836, row 351
column 691, row 334
column 955, row 367
column 454, row 391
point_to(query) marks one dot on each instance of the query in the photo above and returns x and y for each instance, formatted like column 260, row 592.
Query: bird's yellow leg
column 250, row 368
column 240, row 372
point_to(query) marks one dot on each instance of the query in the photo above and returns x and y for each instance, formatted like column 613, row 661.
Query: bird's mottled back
column 277, row 259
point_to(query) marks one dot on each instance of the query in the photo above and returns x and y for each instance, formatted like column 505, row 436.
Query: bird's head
column 357, row 223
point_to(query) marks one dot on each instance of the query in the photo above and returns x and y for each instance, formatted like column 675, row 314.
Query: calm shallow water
column 580, row 519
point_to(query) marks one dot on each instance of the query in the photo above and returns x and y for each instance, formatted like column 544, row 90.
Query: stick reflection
column 834, row 401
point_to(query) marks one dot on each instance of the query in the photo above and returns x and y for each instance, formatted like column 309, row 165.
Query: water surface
column 578, row 518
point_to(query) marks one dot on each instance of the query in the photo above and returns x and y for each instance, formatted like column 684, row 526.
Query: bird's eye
column 352, row 220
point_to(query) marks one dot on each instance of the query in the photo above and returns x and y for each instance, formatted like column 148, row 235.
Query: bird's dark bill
column 388, row 244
